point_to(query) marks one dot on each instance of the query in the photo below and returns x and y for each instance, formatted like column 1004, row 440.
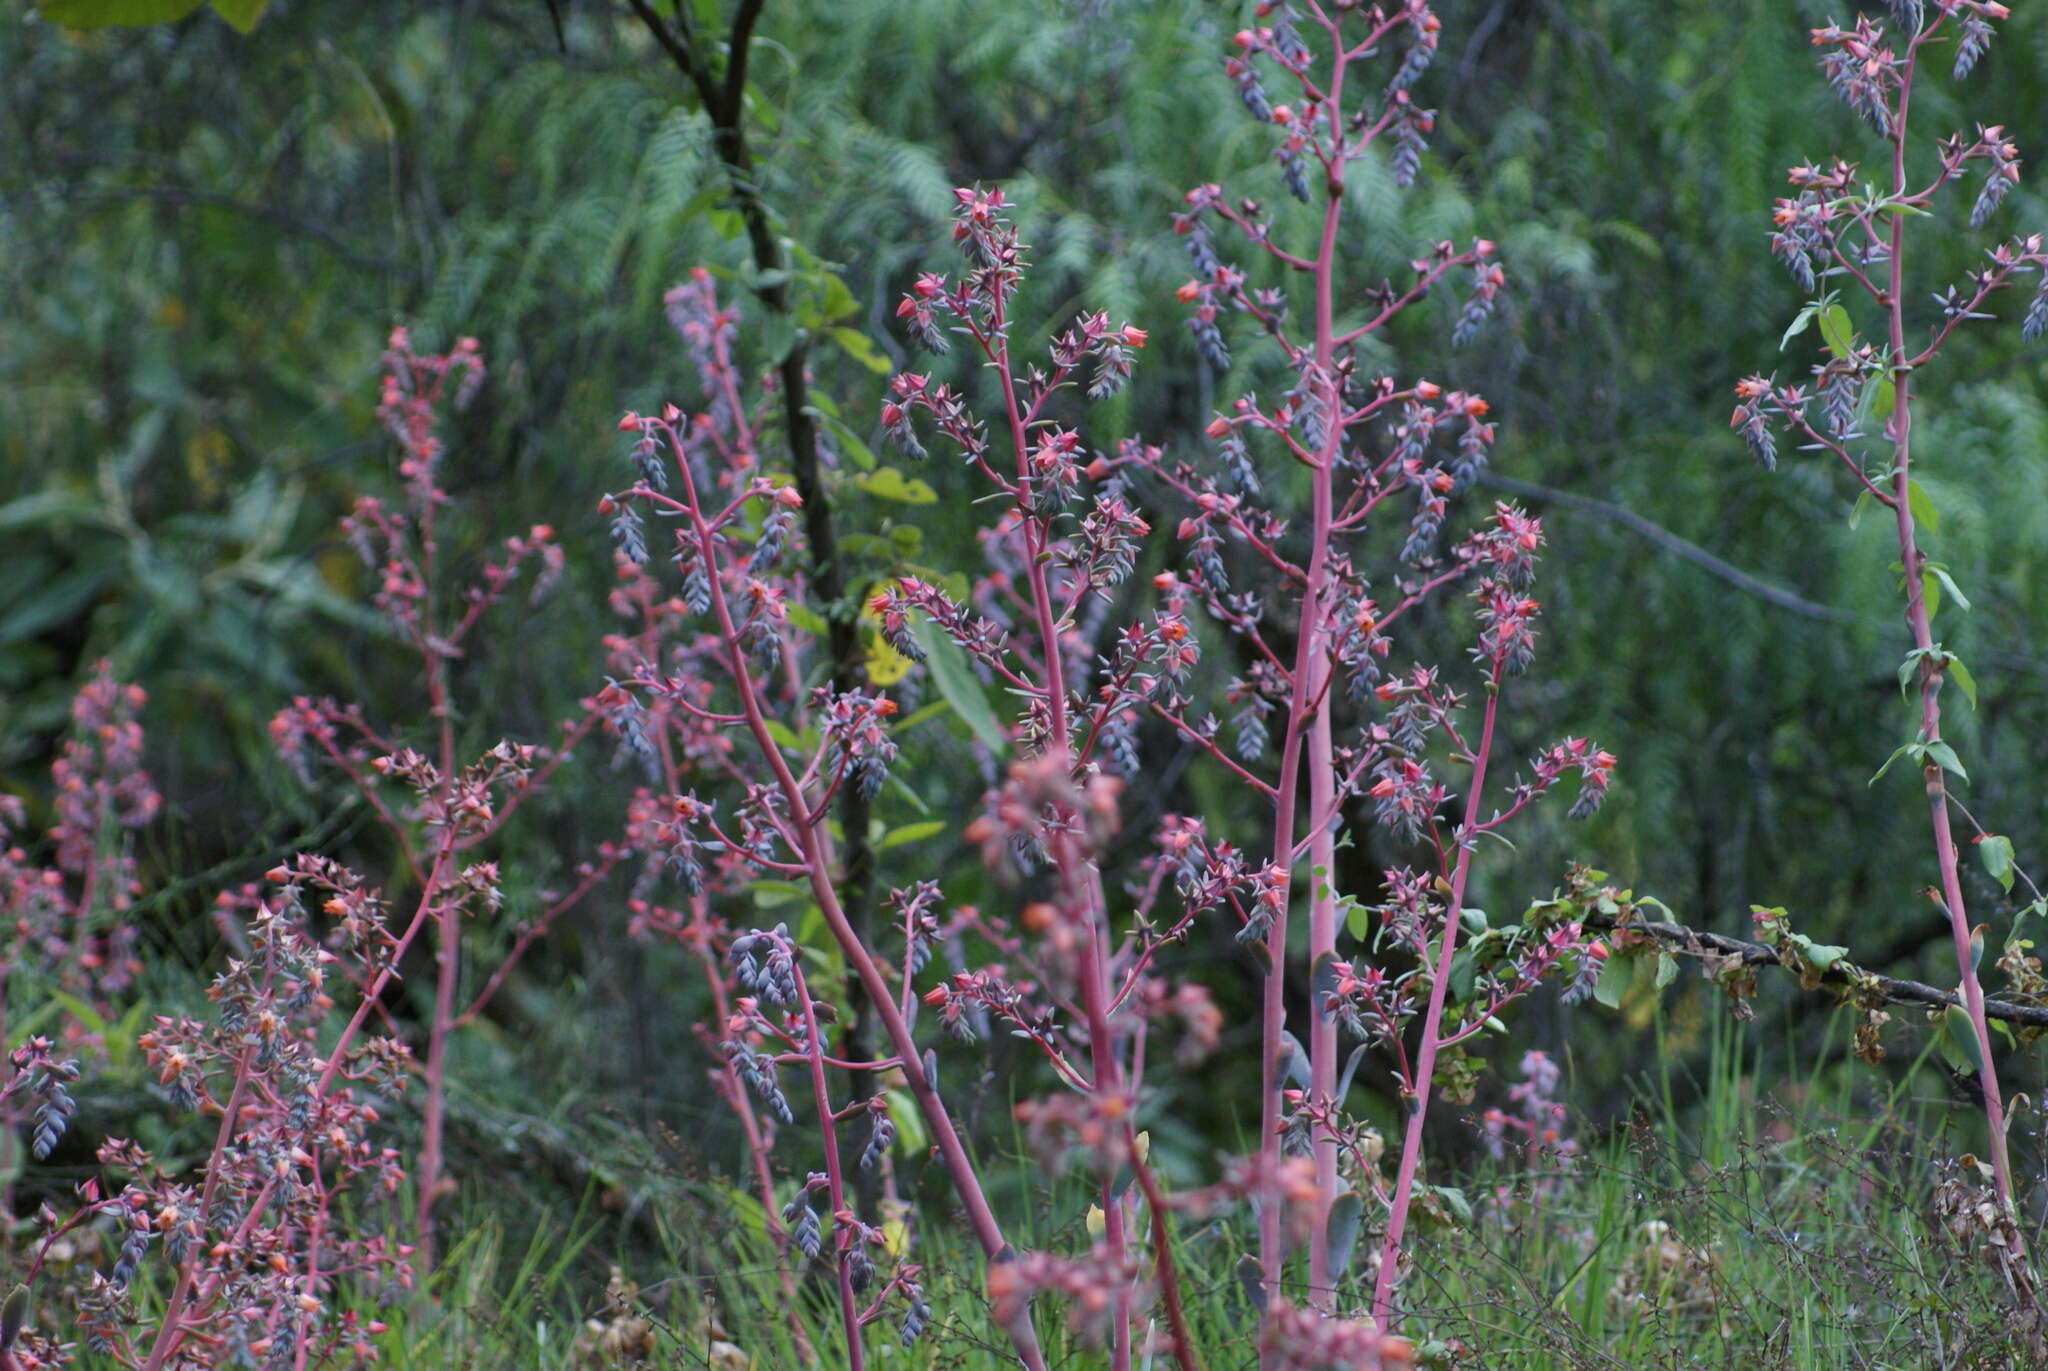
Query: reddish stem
column 1432, row 1019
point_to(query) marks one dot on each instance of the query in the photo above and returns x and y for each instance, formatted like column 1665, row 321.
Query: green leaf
column 918, row 716
column 14, row 1313
column 776, row 894
column 1864, row 500
column 1824, row 955
column 957, row 683
column 1838, row 331
column 1963, row 1035
column 1667, row 969
column 1946, row 756
column 1798, row 325
column 861, row 349
column 901, row 787
column 1616, row 976
column 1903, row 750
column 1965, row 682
column 1940, row 572
column 778, row 335
column 99, row 14
column 88, row 1018
column 56, row 507
column 1977, row 946
column 1994, row 850
column 1358, row 921
column 1908, row 669
column 887, row 483
column 1921, row 507
column 61, row 598
column 240, row 14
column 909, row 1121
column 807, row 619
column 1346, row 1211
column 1464, row 971
column 1930, row 594
column 849, row 442
column 1454, row 1202
column 1884, row 398
column 911, row 833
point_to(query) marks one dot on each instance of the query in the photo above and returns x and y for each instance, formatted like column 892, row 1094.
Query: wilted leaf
column 1252, row 1277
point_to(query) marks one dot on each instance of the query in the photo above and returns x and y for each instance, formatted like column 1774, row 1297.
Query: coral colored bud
column 1165, row 580
column 1282, row 114
column 787, row 497
column 885, row 708
column 1244, row 38
column 1217, row 427
column 628, row 422
column 1133, row 336
column 1427, row 390
column 1188, row 291
column 670, row 413
column 936, row 996
column 1483, row 247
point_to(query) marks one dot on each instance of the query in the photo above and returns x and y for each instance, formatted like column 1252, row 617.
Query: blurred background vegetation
column 206, row 234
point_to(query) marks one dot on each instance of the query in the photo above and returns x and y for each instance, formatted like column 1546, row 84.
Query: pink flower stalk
column 1369, row 447
column 731, row 542
column 1832, row 232
column 449, row 809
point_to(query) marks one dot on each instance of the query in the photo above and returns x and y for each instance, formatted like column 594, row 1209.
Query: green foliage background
column 204, row 237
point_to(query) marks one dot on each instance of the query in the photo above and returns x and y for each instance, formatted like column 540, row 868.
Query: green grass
column 1716, row 1228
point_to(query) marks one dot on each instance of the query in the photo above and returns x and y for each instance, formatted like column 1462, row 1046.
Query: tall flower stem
column 1913, row 561
column 1433, row 1017
column 818, row 873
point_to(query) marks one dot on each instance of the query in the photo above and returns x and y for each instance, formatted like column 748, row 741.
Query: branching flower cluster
column 712, row 695
column 1380, row 454
column 439, row 810
column 277, row 1218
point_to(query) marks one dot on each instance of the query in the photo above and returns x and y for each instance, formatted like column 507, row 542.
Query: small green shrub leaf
column 1994, row 850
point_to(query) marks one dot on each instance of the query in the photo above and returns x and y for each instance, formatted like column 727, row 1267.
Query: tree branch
column 1842, row 974
column 1672, row 543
